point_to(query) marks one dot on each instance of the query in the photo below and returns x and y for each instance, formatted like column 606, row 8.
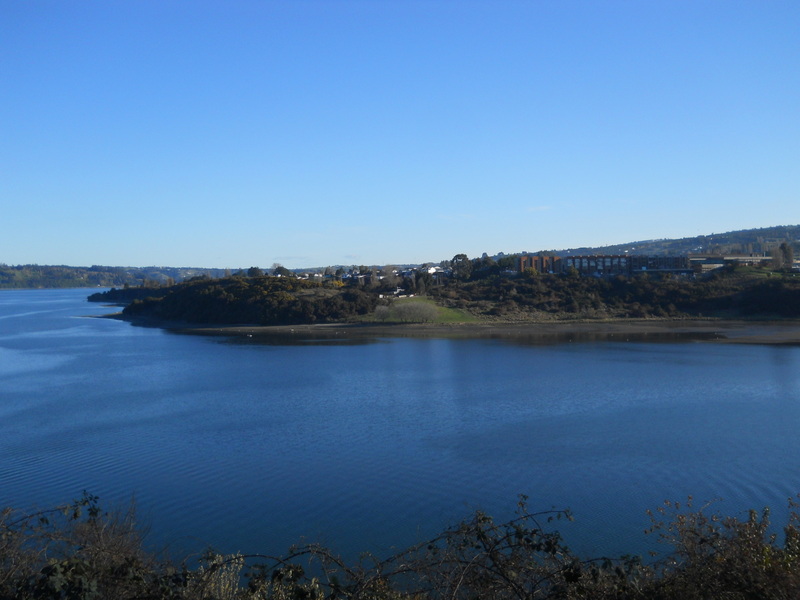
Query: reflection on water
column 364, row 443
column 300, row 340
column 354, row 336
column 595, row 337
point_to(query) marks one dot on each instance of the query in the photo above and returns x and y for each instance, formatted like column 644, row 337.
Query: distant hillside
column 733, row 242
column 61, row 276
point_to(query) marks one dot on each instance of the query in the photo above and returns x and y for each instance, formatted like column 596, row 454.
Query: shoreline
column 729, row 331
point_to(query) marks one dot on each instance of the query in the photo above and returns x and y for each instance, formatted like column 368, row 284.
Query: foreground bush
column 79, row 552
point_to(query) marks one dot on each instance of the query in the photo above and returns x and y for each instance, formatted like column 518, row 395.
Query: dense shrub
column 728, row 293
column 254, row 300
column 78, row 552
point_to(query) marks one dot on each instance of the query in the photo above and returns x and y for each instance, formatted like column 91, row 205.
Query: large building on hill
column 543, row 264
column 702, row 263
column 607, row 265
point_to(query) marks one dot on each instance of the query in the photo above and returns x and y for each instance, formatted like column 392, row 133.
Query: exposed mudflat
column 719, row 331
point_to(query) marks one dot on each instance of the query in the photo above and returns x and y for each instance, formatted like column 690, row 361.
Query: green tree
column 507, row 263
column 531, row 273
column 484, row 266
column 281, row 271
column 390, row 278
column 461, row 266
column 415, row 312
column 787, row 255
column 422, row 281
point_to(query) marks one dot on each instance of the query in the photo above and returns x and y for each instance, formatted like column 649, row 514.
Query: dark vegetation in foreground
column 731, row 292
column 78, row 552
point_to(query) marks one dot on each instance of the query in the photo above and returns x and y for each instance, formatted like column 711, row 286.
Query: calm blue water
column 251, row 447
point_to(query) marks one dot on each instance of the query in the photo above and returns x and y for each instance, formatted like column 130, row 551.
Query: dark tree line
column 728, row 293
column 262, row 300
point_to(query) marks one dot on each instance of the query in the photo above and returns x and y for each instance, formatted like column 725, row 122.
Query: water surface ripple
column 252, row 447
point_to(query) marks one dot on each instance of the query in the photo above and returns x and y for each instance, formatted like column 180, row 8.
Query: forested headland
column 262, row 300
column 731, row 292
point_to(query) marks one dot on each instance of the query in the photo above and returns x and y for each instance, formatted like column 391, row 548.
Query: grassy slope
column 433, row 313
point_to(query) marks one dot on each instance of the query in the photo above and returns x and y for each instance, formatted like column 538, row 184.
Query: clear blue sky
column 312, row 133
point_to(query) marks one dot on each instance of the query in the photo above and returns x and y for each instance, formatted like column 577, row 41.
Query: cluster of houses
column 355, row 276
column 626, row 265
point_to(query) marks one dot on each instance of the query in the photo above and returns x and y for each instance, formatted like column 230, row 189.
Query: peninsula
column 735, row 303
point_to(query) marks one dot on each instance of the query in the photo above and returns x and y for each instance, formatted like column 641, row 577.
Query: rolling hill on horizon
column 758, row 240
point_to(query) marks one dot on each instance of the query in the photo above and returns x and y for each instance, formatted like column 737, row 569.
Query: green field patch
column 419, row 309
